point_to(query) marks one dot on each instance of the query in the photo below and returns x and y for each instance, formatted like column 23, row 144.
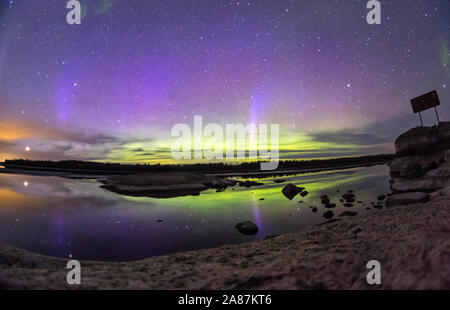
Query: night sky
column 111, row 88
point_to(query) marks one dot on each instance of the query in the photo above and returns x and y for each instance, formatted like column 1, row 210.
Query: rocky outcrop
column 164, row 185
column 421, row 169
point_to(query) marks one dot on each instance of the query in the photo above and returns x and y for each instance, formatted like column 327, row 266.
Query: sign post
column 425, row 102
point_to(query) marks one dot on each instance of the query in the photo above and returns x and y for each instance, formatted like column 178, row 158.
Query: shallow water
column 77, row 219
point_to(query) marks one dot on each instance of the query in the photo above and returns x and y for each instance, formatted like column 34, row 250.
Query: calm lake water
column 77, row 219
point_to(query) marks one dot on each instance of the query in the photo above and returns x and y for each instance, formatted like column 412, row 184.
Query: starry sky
column 111, row 88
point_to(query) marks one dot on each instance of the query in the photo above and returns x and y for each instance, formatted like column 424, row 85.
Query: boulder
column 407, row 198
column 422, row 140
column 417, row 140
column 291, row 190
column 304, row 193
column 421, row 185
column 412, row 167
column 247, row 228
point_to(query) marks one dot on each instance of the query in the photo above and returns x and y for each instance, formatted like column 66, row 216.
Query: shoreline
column 72, row 175
column 332, row 255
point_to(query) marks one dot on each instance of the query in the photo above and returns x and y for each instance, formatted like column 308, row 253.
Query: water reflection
column 76, row 218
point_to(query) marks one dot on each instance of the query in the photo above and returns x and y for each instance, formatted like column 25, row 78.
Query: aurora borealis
column 111, row 88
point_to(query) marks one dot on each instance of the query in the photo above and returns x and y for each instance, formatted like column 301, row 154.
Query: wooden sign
column 425, row 102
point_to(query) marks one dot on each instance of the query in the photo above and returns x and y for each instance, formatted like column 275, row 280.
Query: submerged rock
column 381, row 197
column 247, row 228
column 349, row 197
column 279, row 180
column 325, row 201
column 249, row 183
column 329, row 214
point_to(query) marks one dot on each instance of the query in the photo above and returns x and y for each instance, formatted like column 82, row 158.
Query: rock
column 247, row 228
column 407, row 198
column 417, row 140
column 249, row 183
column 328, row 215
column 412, row 167
column 420, row 150
column 424, row 185
column 304, row 193
column 447, row 155
column 325, row 201
column 279, row 180
column 381, row 197
column 348, row 213
column 348, row 196
column 415, row 170
column 162, row 185
column 291, row 190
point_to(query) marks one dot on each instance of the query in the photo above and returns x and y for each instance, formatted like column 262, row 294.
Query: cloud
column 343, row 137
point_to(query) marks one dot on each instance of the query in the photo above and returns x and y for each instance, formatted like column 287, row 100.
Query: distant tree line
column 91, row 166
